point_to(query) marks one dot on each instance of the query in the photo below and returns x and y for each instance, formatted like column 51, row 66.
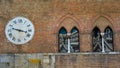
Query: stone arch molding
column 102, row 22
column 68, row 22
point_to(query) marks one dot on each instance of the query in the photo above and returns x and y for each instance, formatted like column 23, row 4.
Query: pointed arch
column 108, row 30
column 96, row 31
column 107, row 17
column 96, row 40
column 108, row 38
column 102, row 21
column 62, row 20
column 62, row 30
column 74, row 29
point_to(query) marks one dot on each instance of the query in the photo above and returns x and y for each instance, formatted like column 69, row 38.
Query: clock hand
column 15, row 29
column 22, row 31
column 19, row 30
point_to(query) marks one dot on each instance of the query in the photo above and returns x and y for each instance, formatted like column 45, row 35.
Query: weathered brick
column 49, row 16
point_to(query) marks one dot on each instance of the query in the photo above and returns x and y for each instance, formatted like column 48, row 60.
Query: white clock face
column 19, row 30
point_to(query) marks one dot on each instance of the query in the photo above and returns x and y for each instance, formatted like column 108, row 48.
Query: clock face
column 19, row 30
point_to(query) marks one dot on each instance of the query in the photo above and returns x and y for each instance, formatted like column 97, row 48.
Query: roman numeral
column 25, row 22
column 29, row 30
column 9, row 30
column 10, row 35
column 20, row 21
column 28, row 35
column 11, row 25
column 19, row 40
column 28, row 25
column 24, row 39
column 13, row 39
column 14, row 21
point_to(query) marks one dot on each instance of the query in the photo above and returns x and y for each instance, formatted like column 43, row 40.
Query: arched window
column 68, row 42
column 74, row 39
column 96, row 40
column 108, row 39
column 62, row 40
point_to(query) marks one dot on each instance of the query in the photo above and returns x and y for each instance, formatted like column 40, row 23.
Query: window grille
column 102, row 42
column 96, row 40
column 68, row 42
column 108, row 39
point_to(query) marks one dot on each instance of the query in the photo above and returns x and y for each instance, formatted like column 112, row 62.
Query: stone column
column 68, row 37
column 103, row 46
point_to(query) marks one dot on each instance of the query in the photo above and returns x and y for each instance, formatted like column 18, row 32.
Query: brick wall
column 57, row 60
column 48, row 16
column 87, row 61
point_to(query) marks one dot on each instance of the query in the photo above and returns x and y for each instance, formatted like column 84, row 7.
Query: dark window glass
column 74, row 39
column 96, row 40
column 62, row 40
column 108, row 39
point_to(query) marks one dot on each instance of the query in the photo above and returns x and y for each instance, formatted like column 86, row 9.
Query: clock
column 19, row 30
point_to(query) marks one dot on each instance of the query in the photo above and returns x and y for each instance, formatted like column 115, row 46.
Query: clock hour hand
column 19, row 30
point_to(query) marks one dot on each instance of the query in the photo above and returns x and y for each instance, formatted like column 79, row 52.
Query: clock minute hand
column 19, row 30
column 23, row 31
column 15, row 29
